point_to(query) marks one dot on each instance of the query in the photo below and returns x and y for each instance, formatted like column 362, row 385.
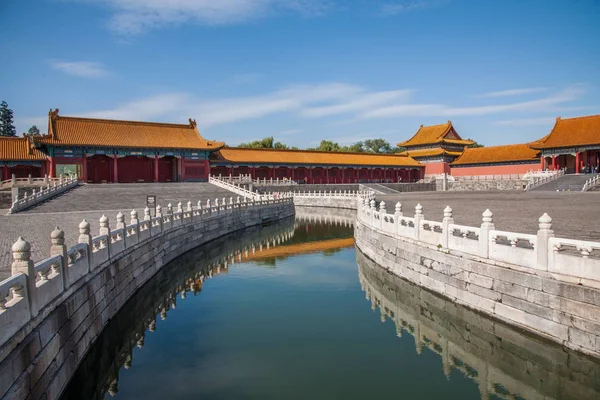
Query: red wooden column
column 343, row 175
column 577, row 162
column 50, row 167
column 372, row 174
column 84, row 171
column 253, row 172
column 115, row 169
column 182, row 169
column 310, row 178
column 156, row 168
column 553, row 162
column 327, row 174
column 5, row 173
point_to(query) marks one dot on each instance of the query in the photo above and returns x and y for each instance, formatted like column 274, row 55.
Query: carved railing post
column 136, row 222
column 121, row 220
column 21, row 252
column 418, row 218
column 85, row 237
column 147, row 216
column 544, row 233
column 58, row 248
column 159, row 212
column 487, row 225
column 446, row 226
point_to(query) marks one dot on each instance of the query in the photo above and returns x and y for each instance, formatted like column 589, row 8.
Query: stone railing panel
column 77, row 263
column 43, row 194
column 513, row 248
column 145, row 230
column 117, row 242
column 49, row 282
column 430, row 232
column 464, row 238
column 156, row 226
column 576, row 258
column 132, row 237
column 100, row 251
column 14, row 305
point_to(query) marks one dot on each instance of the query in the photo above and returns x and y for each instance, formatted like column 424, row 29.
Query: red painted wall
column 436, row 168
column 495, row 170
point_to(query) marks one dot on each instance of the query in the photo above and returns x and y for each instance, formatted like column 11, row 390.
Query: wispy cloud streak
column 514, row 92
column 83, row 69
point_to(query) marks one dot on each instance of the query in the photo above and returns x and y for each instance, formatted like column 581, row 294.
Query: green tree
column 7, row 127
column 266, row 143
column 358, row 147
column 475, row 144
column 33, row 131
column 381, row 146
column 327, row 145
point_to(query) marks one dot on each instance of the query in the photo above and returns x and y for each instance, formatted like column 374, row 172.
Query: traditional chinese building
column 315, row 166
column 573, row 143
column 436, row 146
column 104, row 151
column 496, row 160
column 18, row 157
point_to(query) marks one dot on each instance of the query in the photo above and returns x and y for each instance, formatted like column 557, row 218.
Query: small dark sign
column 151, row 203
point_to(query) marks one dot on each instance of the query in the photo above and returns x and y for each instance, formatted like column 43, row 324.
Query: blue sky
column 306, row 70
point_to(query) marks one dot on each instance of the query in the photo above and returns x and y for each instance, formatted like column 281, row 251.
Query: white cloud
column 84, row 69
column 514, row 92
column 131, row 17
column 547, row 121
column 368, row 100
column 566, row 95
column 399, row 7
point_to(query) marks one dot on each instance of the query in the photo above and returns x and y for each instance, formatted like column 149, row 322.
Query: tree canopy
column 7, row 127
column 475, row 144
column 266, row 143
column 378, row 146
column 33, row 131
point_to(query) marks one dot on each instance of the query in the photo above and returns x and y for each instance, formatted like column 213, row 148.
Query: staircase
column 377, row 188
column 572, row 183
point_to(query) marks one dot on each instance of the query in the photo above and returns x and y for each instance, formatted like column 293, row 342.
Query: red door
column 166, row 169
column 135, row 169
column 99, row 169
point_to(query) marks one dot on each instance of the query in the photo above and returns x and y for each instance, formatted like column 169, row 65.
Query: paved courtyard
column 575, row 215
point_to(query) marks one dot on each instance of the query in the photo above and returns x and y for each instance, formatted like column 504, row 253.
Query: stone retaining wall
column 40, row 358
column 501, row 360
column 488, row 186
column 306, row 188
column 543, row 302
column 349, row 203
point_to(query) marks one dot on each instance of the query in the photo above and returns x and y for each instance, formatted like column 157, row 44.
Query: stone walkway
column 574, row 215
column 90, row 202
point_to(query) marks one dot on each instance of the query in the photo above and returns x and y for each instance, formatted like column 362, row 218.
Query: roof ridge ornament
column 53, row 114
column 193, row 123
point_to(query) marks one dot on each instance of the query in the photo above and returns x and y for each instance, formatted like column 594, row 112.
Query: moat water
column 293, row 311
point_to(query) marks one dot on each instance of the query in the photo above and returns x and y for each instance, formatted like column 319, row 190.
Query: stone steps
column 572, row 183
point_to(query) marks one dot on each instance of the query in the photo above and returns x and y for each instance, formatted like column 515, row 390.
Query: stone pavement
column 575, row 215
column 90, row 202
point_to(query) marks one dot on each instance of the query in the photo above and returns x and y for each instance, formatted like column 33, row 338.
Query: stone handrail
column 35, row 198
column 33, row 286
column 577, row 259
column 489, row 177
column 548, row 176
column 235, row 188
column 14, row 181
column 591, row 183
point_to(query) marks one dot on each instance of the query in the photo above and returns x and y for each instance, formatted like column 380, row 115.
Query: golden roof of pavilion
column 434, row 134
column 19, row 149
column 308, row 157
column 497, row 154
column 75, row 131
column 568, row 132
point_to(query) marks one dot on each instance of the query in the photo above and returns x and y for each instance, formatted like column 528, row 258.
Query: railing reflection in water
column 504, row 362
column 99, row 372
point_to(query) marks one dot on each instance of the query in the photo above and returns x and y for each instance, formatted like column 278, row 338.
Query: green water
column 317, row 325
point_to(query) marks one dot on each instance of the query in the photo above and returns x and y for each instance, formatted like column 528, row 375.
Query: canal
column 292, row 310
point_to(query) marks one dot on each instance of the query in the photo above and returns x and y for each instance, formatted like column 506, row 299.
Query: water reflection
column 505, row 363
column 98, row 375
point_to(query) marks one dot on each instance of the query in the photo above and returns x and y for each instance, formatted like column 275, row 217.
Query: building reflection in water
column 504, row 362
column 307, row 233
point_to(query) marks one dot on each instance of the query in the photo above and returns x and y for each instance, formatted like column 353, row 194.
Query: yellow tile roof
column 278, row 156
column 569, row 132
column 72, row 131
column 435, row 134
column 497, row 154
column 299, row 248
column 18, row 149
column 431, row 153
